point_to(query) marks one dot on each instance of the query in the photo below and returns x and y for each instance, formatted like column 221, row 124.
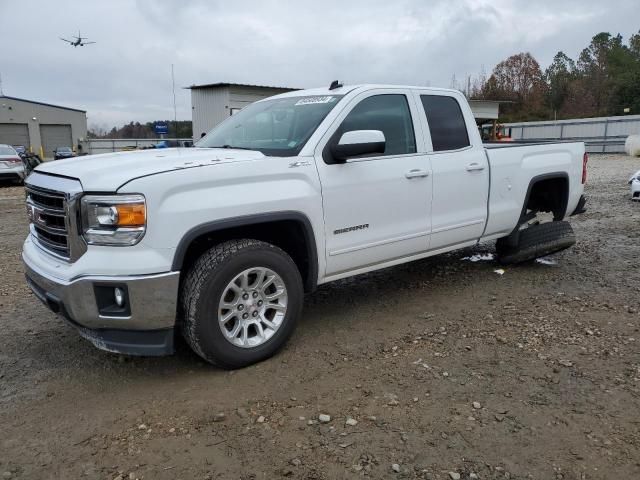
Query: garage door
column 54, row 136
column 14, row 134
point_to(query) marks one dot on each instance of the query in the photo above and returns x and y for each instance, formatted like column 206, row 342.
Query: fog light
column 112, row 300
column 118, row 295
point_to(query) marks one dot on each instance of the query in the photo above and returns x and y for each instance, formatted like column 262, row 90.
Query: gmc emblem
column 35, row 215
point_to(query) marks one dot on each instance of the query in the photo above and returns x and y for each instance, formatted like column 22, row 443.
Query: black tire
column 537, row 241
column 204, row 285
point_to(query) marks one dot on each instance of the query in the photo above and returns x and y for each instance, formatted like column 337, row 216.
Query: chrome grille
column 47, row 210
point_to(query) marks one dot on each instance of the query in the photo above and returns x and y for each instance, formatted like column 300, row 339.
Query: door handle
column 472, row 167
column 416, row 173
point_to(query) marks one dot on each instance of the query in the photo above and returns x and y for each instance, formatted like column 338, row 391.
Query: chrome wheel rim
column 252, row 307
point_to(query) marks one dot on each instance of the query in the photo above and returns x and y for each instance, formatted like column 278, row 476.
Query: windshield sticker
column 313, row 100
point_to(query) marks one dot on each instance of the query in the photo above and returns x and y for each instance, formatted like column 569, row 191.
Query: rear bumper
column 12, row 174
column 145, row 326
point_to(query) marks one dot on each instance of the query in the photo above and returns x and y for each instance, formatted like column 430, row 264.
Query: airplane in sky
column 78, row 42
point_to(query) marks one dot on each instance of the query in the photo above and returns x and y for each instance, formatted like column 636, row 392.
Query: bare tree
column 520, row 80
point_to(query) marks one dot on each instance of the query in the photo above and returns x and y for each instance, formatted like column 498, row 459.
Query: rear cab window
column 446, row 122
column 6, row 150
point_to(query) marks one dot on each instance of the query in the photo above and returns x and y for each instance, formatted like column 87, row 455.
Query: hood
column 109, row 171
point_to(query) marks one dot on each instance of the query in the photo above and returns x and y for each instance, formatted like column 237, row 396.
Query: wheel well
column 291, row 235
column 548, row 194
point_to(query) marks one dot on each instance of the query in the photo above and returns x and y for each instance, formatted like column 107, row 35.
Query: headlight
column 113, row 219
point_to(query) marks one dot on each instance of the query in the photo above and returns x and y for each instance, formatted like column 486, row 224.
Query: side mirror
column 357, row 143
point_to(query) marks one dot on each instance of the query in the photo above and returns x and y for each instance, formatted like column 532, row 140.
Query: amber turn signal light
column 131, row 215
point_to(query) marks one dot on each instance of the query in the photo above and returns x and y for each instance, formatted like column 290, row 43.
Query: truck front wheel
column 241, row 301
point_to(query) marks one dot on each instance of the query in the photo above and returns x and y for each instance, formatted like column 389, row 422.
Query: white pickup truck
column 221, row 241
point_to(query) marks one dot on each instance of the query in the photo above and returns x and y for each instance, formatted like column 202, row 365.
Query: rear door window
column 446, row 122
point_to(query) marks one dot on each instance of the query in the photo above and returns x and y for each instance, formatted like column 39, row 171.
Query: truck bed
column 515, row 165
column 522, row 143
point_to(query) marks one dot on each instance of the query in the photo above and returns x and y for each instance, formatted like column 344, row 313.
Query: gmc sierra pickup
column 221, row 241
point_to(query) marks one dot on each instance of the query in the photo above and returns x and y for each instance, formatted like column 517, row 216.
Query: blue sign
column 161, row 128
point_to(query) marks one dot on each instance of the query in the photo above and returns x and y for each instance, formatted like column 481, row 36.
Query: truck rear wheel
column 241, row 301
column 537, row 241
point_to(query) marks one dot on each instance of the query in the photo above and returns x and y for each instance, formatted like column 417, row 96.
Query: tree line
column 603, row 81
column 179, row 129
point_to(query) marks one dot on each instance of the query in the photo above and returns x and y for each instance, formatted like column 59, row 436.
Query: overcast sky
column 126, row 75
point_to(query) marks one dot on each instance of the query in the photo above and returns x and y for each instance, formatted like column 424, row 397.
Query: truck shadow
column 335, row 313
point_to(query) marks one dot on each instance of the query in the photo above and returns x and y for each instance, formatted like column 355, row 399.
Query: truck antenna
column 175, row 115
column 335, row 84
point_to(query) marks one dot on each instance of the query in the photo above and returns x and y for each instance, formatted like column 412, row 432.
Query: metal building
column 484, row 110
column 41, row 127
column 213, row 102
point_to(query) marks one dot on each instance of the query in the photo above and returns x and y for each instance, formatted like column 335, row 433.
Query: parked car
column 634, row 183
column 221, row 241
column 20, row 149
column 11, row 167
column 63, row 152
column 173, row 143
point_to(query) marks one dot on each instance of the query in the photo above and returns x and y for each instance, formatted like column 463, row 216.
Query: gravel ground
column 439, row 369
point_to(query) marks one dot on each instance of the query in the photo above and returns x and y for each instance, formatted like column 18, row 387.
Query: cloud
column 127, row 74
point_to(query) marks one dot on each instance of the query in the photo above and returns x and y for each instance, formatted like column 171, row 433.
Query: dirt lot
column 445, row 367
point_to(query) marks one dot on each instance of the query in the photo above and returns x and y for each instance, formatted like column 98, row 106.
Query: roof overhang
column 41, row 103
column 245, row 85
column 486, row 109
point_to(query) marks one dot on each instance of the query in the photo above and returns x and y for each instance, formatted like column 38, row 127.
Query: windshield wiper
column 231, row 147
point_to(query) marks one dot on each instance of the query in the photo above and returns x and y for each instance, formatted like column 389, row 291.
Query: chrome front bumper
column 145, row 328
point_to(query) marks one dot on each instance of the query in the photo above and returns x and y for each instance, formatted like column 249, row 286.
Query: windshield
column 64, row 149
column 278, row 127
column 6, row 150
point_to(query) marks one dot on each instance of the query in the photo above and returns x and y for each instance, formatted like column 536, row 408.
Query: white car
column 634, row 182
column 220, row 242
column 11, row 166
